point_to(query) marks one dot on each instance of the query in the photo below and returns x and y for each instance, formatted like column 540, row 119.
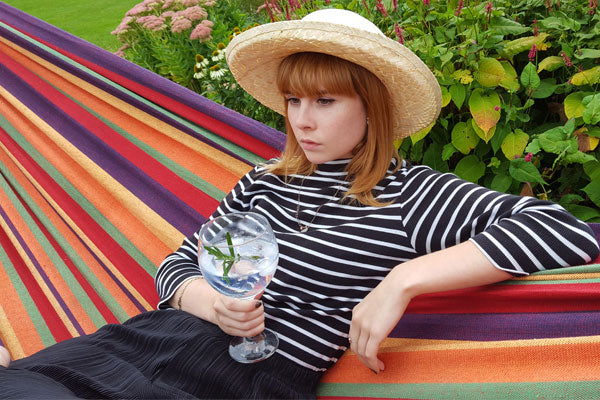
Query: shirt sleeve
column 182, row 264
column 520, row 235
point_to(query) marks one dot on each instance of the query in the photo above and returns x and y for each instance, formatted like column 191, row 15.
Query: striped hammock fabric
column 105, row 167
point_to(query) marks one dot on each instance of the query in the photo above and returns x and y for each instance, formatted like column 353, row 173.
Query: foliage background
column 519, row 81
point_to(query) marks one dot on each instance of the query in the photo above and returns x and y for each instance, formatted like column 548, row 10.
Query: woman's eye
column 292, row 100
column 325, row 101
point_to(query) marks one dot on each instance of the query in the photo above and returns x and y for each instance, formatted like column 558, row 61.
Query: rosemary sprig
column 228, row 260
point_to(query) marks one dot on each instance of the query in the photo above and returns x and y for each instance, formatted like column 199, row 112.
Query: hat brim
column 254, row 57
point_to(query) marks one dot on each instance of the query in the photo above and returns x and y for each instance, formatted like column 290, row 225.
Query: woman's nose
column 304, row 116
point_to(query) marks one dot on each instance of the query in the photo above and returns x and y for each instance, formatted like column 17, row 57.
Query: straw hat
column 254, row 57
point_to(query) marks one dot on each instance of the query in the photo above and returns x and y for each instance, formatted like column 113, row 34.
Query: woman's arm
column 457, row 267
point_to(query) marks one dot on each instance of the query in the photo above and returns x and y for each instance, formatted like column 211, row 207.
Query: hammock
column 105, row 167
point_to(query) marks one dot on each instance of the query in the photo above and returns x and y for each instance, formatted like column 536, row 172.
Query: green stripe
column 110, row 229
column 475, row 391
column 240, row 151
column 30, row 307
column 581, row 269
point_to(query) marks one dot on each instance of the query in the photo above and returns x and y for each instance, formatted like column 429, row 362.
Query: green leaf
column 524, row 171
column 433, row 158
column 485, row 108
column 546, row 89
column 464, row 138
column 588, row 77
column 582, row 212
column 501, row 183
column 415, row 137
column 446, row 96
column 593, row 191
column 514, row 144
column 591, row 112
column 507, row 26
column 522, row 44
column 490, row 72
column 483, row 135
column 510, row 81
column 594, row 131
column 578, row 157
column 587, row 53
column 573, row 104
column 448, row 151
column 592, row 169
column 550, row 64
column 470, row 168
column 458, row 93
column 560, row 23
column 529, row 76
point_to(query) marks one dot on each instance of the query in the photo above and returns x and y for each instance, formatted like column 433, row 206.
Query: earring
column 367, row 120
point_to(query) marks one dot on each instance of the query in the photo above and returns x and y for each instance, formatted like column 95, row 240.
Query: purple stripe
column 131, row 71
column 42, row 273
column 489, row 327
column 170, row 207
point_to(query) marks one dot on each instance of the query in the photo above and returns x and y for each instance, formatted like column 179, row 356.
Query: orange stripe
column 73, row 240
column 210, row 164
column 537, row 363
column 17, row 332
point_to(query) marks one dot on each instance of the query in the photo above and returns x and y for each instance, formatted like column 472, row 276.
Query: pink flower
column 395, row 4
column 123, row 26
column 379, row 5
column 399, row 33
column 489, row 7
column 528, row 157
column 151, row 22
column 268, row 7
column 194, row 13
column 167, row 4
column 426, row 3
column 459, row 8
column 120, row 52
column 532, row 53
column 566, row 59
column 189, row 3
column 497, row 108
column 294, row 4
column 536, row 28
column 137, row 9
column 180, row 24
column 202, row 31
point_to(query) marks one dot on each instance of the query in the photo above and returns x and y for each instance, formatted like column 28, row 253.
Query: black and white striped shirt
column 349, row 248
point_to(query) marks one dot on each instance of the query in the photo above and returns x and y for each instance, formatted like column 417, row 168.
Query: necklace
column 304, row 228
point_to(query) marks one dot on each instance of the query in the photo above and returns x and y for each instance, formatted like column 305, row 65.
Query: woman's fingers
column 4, row 357
column 240, row 317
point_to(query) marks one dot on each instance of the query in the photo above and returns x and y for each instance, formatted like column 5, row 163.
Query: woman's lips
column 309, row 144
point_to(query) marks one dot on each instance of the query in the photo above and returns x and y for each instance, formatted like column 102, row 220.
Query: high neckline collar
column 333, row 166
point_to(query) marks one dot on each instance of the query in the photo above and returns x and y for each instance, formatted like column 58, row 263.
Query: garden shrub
column 520, row 85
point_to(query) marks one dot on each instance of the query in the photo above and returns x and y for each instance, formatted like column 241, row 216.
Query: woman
column 360, row 232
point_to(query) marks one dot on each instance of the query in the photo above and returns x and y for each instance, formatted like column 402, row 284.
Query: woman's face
column 327, row 127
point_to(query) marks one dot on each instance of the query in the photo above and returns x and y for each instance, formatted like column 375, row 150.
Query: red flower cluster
column 566, row 59
column 381, row 7
column 532, row 53
column 399, row 33
column 529, row 157
column 459, row 8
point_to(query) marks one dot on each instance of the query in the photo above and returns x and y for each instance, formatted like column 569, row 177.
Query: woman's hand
column 456, row 267
column 374, row 318
column 239, row 317
column 4, row 357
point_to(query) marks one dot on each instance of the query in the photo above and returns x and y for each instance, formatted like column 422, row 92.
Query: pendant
column 303, row 228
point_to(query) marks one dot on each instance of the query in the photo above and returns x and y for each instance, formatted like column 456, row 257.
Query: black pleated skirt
column 162, row 354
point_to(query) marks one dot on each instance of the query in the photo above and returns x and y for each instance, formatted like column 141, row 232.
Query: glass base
column 254, row 349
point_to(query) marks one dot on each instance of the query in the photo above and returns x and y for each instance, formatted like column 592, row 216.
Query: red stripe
column 109, row 317
column 131, row 270
column 222, row 129
column 53, row 321
column 188, row 193
column 502, row 298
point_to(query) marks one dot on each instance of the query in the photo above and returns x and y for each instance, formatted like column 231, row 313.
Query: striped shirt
column 349, row 248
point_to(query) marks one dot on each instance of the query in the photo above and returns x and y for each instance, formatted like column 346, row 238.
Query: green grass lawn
column 91, row 20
